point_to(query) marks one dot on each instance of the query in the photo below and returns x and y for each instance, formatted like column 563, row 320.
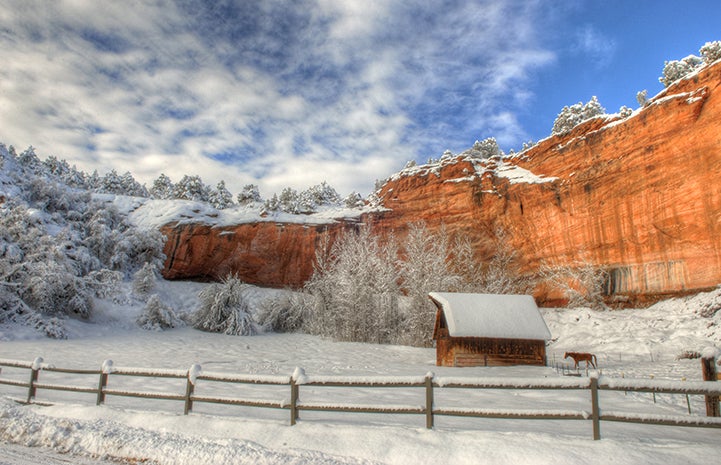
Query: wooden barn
column 488, row 330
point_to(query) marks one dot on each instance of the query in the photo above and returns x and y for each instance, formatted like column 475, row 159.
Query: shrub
column 285, row 313
column 570, row 117
column 224, row 309
column 677, row 69
column 157, row 316
column 486, row 148
column 144, row 279
column 711, row 51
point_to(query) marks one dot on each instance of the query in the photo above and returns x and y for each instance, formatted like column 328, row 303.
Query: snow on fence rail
column 429, row 383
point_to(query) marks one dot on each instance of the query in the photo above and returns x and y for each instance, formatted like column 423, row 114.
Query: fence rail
column 429, row 383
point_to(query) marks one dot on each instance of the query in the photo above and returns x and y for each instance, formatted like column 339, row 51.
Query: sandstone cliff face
column 638, row 196
column 265, row 253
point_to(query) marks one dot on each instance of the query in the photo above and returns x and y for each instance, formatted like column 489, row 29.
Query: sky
column 284, row 93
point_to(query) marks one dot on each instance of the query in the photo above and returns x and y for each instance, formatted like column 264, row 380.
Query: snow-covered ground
column 631, row 343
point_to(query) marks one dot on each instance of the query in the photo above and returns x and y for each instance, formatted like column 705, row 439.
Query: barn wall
column 474, row 351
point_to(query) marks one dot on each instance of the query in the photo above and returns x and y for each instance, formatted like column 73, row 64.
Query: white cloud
column 348, row 95
column 599, row 48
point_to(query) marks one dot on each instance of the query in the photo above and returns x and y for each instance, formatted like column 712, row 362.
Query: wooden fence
column 429, row 383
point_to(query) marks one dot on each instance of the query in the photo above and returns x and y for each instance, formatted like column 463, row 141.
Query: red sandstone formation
column 264, row 253
column 638, row 196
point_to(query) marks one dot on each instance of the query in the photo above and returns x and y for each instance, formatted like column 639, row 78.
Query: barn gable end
column 488, row 329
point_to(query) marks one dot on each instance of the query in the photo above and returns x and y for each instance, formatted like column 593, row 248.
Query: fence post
column 34, row 374
column 298, row 375
column 193, row 374
column 429, row 399
column 708, row 366
column 595, row 414
column 105, row 371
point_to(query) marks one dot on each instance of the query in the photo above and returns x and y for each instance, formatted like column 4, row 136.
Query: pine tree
column 250, row 194
column 191, row 188
column 711, row 51
column 221, row 197
column 572, row 116
column 162, row 188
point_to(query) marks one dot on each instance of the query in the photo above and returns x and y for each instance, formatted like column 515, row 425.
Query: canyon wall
column 637, row 196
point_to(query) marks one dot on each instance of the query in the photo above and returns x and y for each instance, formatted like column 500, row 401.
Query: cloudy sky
column 291, row 93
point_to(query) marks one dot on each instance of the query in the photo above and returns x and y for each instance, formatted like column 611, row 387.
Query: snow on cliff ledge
column 494, row 166
column 153, row 213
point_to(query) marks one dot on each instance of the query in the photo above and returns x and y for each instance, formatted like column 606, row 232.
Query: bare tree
column 583, row 284
column 355, row 289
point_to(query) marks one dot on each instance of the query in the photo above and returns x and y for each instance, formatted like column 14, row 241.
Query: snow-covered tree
column 288, row 201
column 355, row 286
column 224, row 308
column 676, row 69
column 425, row 268
column 642, row 97
column 711, row 51
column 500, row 273
column 284, row 313
column 625, row 111
column 145, row 279
column 53, row 290
column 486, row 148
column 129, row 186
column 220, row 197
column 317, row 196
column 353, row 200
column 249, row 195
column 162, row 188
column 104, row 283
column 191, row 188
column 571, row 116
column 29, row 161
column 137, row 247
column 111, row 183
column 583, row 284
column 157, row 316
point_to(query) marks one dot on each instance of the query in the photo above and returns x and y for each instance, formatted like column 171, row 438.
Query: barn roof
column 491, row 315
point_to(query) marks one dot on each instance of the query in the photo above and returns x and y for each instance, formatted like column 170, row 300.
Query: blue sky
column 292, row 93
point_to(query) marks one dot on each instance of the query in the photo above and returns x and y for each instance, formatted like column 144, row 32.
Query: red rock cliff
column 638, row 196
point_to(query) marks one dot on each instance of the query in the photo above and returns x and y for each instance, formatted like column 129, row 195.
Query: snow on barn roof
column 492, row 315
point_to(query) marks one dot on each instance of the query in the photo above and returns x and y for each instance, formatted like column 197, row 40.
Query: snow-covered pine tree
column 486, row 148
column 570, row 117
column 191, row 188
column 249, row 195
column 111, row 183
column 162, row 188
column 711, row 51
column 145, row 279
column 129, row 186
column 642, row 97
column 353, row 200
column 220, row 197
column 288, row 201
column 676, row 69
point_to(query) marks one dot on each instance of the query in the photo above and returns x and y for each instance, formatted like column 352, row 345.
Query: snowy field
column 630, row 343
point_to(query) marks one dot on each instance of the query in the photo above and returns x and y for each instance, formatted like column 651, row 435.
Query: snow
column 516, row 175
column 489, row 315
column 500, row 167
column 154, row 213
column 195, row 371
column 635, row 348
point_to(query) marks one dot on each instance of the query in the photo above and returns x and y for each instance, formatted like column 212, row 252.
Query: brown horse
column 581, row 357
